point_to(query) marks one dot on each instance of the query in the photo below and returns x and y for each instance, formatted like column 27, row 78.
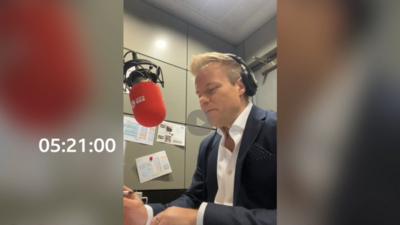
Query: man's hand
column 134, row 211
column 176, row 216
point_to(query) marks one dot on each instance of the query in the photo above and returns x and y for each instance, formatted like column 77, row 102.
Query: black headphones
column 247, row 75
column 136, row 70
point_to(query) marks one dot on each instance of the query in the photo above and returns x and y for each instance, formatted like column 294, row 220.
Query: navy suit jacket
column 254, row 200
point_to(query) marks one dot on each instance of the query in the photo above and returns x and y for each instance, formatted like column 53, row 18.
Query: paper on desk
column 171, row 133
column 153, row 166
column 135, row 132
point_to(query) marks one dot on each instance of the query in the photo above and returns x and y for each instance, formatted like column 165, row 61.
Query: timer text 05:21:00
column 72, row 145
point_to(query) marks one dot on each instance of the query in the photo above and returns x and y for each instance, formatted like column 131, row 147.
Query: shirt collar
column 240, row 122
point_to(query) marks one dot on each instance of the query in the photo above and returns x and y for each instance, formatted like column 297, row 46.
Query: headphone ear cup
column 249, row 83
column 247, row 76
column 252, row 84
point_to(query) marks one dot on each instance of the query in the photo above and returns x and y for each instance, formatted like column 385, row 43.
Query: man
column 235, row 178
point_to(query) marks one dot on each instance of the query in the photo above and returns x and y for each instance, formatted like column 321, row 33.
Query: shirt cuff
column 150, row 214
column 200, row 213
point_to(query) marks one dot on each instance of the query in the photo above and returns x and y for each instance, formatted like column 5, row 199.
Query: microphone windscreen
column 147, row 104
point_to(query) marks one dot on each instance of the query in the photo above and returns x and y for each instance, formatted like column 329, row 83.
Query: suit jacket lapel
column 250, row 133
column 212, row 183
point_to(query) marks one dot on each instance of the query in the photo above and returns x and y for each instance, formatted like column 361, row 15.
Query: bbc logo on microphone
column 137, row 100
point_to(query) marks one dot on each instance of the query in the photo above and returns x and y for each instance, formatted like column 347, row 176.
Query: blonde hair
column 202, row 60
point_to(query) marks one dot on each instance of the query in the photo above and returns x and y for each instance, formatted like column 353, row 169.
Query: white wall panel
column 154, row 33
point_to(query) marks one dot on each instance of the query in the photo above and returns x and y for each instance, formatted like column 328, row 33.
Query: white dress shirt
column 226, row 166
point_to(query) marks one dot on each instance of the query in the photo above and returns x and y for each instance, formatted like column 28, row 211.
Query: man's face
column 220, row 100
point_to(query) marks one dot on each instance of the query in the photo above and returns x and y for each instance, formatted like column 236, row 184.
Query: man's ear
column 242, row 88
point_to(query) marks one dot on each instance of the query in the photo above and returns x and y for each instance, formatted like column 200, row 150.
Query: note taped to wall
column 153, row 166
column 171, row 133
column 135, row 132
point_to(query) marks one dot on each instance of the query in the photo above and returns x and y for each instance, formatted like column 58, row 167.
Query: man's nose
column 203, row 100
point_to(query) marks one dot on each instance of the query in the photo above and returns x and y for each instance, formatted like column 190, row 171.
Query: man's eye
column 212, row 90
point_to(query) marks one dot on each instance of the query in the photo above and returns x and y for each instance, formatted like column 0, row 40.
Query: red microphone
column 147, row 103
